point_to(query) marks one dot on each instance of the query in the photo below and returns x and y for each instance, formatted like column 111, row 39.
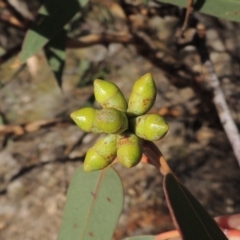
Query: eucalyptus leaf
column 94, row 203
column 226, row 9
column 193, row 220
column 52, row 17
column 55, row 53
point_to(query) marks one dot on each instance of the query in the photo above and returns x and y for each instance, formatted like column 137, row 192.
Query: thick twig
column 82, row 42
column 92, row 39
column 218, row 97
column 153, row 156
column 29, row 127
column 12, row 21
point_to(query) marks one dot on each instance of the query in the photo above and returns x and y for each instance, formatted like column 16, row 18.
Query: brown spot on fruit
column 124, row 140
column 109, row 200
column 91, row 234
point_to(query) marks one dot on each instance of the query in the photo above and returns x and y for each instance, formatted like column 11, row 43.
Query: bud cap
column 143, row 96
column 108, row 95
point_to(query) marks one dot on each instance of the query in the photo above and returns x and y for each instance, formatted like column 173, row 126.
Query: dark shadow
column 28, row 169
column 47, row 25
column 198, row 4
column 209, row 172
column 56, row 61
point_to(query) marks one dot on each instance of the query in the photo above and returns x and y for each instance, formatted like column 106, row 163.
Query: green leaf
column 52, row 16
column 94, row 203
column 193, row 220
column 228, row 9
column 55, row 53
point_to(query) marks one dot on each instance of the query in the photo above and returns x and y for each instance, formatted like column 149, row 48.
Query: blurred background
column 40, row 146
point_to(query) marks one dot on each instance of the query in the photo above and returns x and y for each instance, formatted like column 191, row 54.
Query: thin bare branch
column 223, row 110
column 189, row 9
column 187, row 16
column 219, row 100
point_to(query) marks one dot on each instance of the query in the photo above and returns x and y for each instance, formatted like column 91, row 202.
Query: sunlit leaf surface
column 94, row 203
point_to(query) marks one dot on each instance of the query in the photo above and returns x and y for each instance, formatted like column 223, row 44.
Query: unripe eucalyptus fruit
column 109, row 95
column 86, row 119
column 111, row 120
column 142, row 96
column 101, row 154
column 151, row 127
column 129, row 149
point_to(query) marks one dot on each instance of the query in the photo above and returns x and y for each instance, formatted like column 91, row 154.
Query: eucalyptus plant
column 96, row 193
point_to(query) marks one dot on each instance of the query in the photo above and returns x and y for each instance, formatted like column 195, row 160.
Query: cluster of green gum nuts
column 126, row 126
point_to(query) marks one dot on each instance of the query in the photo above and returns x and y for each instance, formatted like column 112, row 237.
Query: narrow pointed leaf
column 52, row 17
column 219, row 8
column 193, row 220
column 94, row 203
column 55, row 53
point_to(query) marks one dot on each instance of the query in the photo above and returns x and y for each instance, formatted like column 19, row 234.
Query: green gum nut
column 86, row 119
column 109, row 95
column 150, row 127
column 142, row 96
column 110, row 120
column 101, row 154
column 129, row 149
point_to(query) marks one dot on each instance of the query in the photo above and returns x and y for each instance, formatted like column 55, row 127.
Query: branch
column 12, row 21
column 82, row 42
column 153, row 156
column 28, row 127
column 223, row 110
column 219, row 100
column 92, row 39
column 15, row 14
column 187, row 16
